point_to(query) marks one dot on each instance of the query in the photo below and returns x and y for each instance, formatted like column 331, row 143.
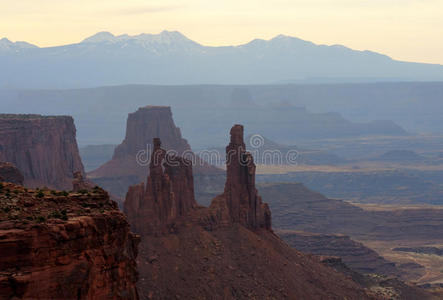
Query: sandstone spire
column 244, row 203
column 168, row 195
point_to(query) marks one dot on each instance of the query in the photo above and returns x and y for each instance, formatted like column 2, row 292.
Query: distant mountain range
column 172, row 58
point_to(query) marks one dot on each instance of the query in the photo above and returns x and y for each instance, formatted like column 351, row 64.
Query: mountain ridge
column 170, row 58
column 106, row 36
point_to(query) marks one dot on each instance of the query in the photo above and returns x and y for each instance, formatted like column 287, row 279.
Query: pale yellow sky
column 409, row 30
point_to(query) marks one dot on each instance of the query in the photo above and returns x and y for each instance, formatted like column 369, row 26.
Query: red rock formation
column 43, row 148
column 244, row 203
column 226, row 251
column 169, row 194
column 9, row 173
column 55, row 245
column 127, row 166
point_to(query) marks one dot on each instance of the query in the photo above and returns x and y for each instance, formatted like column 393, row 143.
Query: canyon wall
column 57, row 245
column 43, row 148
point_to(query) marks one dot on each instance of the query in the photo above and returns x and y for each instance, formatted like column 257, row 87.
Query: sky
column 410, row 30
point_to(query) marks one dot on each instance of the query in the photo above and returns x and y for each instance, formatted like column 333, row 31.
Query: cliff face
column 56, row 245
column 128, row 165
column 226, row 251
column 169, row 194
column 9, row 173
column 44, row 149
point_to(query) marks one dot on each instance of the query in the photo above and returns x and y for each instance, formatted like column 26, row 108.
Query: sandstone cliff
column 129, row 164
column 9, row 173
column 226, row 251
column 56, row 245
column 43, row 148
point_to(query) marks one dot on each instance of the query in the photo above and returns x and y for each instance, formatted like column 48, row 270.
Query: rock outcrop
column 43, row 148
column 56, row 245
column 168, row 195
column 226, row 251
column 129, row 164
column 244, row 203
column 9, row 173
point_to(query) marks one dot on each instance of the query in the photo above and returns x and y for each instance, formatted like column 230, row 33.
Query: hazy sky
column 403, row 29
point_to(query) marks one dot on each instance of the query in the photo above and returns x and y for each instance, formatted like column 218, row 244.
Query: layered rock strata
column 56, row 245
column 355, row 255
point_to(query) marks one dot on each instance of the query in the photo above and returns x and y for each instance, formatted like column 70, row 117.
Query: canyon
column 227, row 250
column 232, row 249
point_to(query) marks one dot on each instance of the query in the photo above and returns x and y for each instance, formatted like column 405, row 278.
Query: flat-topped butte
column 28, row 116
